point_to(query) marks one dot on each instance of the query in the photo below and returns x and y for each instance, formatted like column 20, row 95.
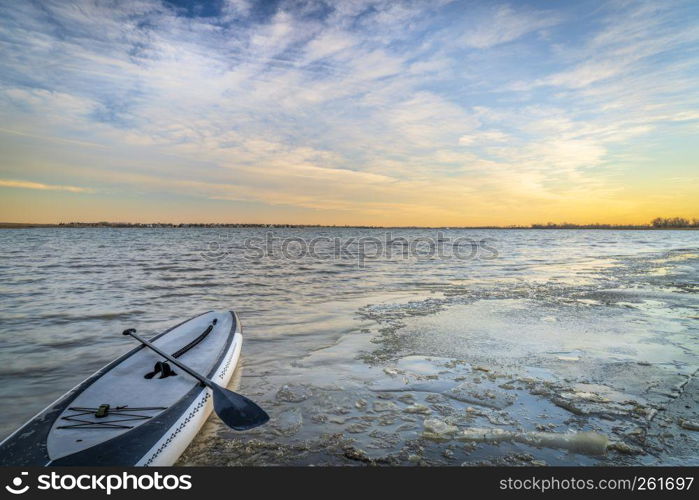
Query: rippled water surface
column 365, row 360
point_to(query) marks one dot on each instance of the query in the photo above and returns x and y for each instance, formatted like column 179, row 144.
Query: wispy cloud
column 504, row 24
column 44, row 187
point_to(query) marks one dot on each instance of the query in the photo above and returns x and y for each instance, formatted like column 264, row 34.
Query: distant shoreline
column 135, row 225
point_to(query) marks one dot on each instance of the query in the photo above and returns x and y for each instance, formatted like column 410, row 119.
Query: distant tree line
column 674, row 222
column 570, row 225
column 657, row 223
column 178, row 225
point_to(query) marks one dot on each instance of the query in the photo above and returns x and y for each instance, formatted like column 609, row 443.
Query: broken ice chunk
column 588, row 443
column 438, row 430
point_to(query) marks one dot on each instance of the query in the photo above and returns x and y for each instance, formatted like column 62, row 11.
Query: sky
column 434, row 113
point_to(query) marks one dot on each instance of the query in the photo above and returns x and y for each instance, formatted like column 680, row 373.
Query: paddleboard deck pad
column 137, row 410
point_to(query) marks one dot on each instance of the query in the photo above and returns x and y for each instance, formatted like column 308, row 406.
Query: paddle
column 236, row 411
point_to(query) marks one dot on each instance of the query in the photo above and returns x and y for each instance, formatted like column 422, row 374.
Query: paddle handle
column 179, row 364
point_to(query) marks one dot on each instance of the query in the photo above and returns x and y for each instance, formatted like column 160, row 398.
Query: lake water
column 361, row 343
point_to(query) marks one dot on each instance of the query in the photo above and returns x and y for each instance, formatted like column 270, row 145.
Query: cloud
column 625, row 42
column 504, row 24
column 483, row 137
column 44, row 187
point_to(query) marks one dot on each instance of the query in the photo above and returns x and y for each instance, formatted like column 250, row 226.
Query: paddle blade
column 237, row 411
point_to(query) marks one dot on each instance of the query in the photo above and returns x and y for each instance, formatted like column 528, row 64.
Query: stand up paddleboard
column 145, row 407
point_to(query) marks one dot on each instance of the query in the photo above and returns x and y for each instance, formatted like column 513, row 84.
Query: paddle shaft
column 172, row 360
